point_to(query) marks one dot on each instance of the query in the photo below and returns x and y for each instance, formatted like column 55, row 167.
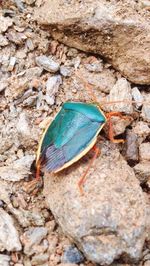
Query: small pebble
column 5, row 23
column 12, row 63
column 4, row 260
column 72, row 255
column 33, row 237
column 121, row 91
column 142, row 171
column 146, row 107
column 52, row 86
column 144, row 151
column 137, row 96
column 3, row 40
column 39, row 259
column 131, row 147
column 47, row 63
column 65, row 71
column 19, row 5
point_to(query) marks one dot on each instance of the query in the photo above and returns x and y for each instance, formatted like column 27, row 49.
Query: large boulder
column 117, row 30
column 108, row 221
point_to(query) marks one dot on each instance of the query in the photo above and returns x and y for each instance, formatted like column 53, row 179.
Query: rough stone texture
column 144, row 151
column 121, row 91
column 18, row 170
column 109, row 219
column 4, row 260
column 142, row 171
column 33, row 237
column 112, row 29
column 131, row 147
column 9, row 238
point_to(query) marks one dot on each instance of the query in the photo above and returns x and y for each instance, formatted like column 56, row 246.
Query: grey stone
column 131, row 147
column 141, row 129
column 137, row 96
column 4, row 260
column 121, row 93
column 142, row 171
column 31, row 237
column 108, row 220
column 5, row 23
column 39, row 259
column 12, row 63
column 18, row 170
column 146, row 107
column 9, row 237
column 72, row 255
column 47, row 63
column 65, row 71
column 52, row 86
column 3, row 40
column 113, row 29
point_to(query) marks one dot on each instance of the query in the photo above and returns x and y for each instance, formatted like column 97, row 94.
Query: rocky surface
column 109, row 219
column 118, row 31
column 31, row 93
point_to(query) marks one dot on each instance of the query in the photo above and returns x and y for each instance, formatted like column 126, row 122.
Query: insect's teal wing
column 68, row 135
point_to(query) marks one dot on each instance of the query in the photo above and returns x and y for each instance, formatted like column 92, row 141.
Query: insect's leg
column 34, row 185
column 111, row 133
column 83, row 177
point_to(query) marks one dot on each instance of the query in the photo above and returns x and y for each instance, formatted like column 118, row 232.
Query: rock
column 3, row 40
column 137, row 96
column 19, row 5
column 9, row 237
column 144, row 151
column 52, row 86
column 146, row 107
column 68, row 264
column 72, row 255
column 102, row 82
column 142, row 130
column 108, row 220
column 65, row 71
column 47, row 63
column 12, row 63
column 31, row 237
column 23, row 126
column 3, row 84
column 100, row 27
column 146, row 263
column 39, row 259
column 33, row 72
column 27, row 218
column 132, row 155
column 18, row 170
column 121, row 91
column 142, row 171
column 5, row 23
column 4, row 260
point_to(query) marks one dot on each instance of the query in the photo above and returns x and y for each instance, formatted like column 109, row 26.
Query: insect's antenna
column 124, row 101
column 87, row 86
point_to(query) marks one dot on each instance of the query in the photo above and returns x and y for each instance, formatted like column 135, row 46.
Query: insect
column 71, row 135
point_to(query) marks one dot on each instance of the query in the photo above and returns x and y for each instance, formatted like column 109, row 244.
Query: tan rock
column 112, row 29
column 109, row 219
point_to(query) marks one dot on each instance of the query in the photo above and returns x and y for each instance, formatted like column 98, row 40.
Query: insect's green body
column 70, row 136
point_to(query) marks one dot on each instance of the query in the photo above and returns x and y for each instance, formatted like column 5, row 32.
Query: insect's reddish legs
column 111, row 133
column 34, row 185
column 83, row 177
